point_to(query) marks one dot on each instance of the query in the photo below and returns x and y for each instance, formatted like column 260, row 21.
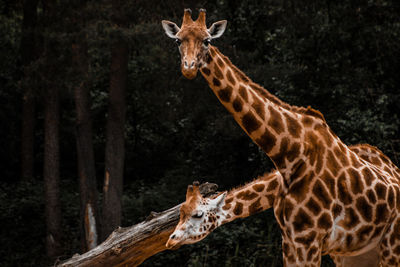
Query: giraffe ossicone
column 333, row 201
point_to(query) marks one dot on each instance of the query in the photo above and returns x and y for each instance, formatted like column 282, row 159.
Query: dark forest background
column 95, row 112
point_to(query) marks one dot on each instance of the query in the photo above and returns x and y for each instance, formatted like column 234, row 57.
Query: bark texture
column 28, row 54
column 84, row 143
column 133, row 245
column 115, row 135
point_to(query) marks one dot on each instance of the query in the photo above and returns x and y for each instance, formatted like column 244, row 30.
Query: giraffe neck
column 251, row 198
column 276, row 127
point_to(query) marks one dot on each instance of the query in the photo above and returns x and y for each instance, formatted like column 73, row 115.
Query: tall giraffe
column 332, row 201
column 212, row 212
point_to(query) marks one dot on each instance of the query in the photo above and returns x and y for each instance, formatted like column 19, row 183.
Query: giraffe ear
column 170, row 28
column 219, row 200
column 217, row 29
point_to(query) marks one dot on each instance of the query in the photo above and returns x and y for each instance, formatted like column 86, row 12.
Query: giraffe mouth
column 189, row 73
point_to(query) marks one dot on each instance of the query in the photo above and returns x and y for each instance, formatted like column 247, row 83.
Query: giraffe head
column 193, row 39
column 198, row 217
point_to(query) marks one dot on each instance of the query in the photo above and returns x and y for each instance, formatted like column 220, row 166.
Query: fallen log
column 132, row 245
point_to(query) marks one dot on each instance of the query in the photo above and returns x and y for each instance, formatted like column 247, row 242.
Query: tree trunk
column 84, row 144
column 51, row 168
column 28, row 54
column 51, row 173
column 115, row 150
column 86, row 164
column 132, row 245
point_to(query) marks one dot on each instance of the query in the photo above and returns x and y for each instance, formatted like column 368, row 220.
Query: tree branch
column 132, row 245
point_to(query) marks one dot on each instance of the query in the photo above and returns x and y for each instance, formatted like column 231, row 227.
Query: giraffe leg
column 367, row 259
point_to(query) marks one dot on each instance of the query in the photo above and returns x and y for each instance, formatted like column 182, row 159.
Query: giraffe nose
column 173, row 236
column 188, row 65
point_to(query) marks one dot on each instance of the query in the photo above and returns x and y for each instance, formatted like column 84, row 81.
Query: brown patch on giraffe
column 230, row 77
column 337, row 209
column 293, row 152
column 298, row 169
column 226, row 207
column 313, row 206
column 217, row 72
column 312, row 140
column 350, row 219
column 313, row 250
column 238, row 208
column 324, row 221
column 326, row 136
column 288, row 209
column 390, row 198
column 364, row 208
column 216, row 82
column 357, row 186
column 380, row 190
column 237, row 104
column 376, row 161
column 271, row 199
column 243, row 93
column 220, row 62
column 354, row 161
column 306, row 239
column 213, row 52
column 206, row 71
column 247, row 195
column 322, row 194
column 260, row 187
column 381, row 214
column 349, row 239
column 307, row 121
column 371, row 196
column 225, row 94
column 212, row 227
column 343, row 192
column 266, row 141
column 272, row 185
column 250, row 122
column 367, row 176
column 330, row 183
column 299, row 254
column 285, row 248
column 364, row 232
column 332, row 164
column 341, row 156
column 255, row 207
column 302, row 221
column 293, row 126
column 228, row 200
column 259, row 107
column 320, row 160
column 300, row 186
column 279, row 159
column 275, row 120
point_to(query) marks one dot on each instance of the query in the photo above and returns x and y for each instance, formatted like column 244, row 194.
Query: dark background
column 340, row 57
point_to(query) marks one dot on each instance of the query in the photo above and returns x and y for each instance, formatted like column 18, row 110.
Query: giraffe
column 332, row 200
column 200, row 216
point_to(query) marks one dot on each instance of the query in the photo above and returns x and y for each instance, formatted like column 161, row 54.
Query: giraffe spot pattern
column 237, row 104
column 341, row 156
column 357, row 185
column 343, row 194
column 323, row 131
column 337, row 209
column 332, row 164
column 330, row 183
column 293, row 152
column 260, row 187
column 230, row 77
column 266, row 141
column 250, row 122
column 351, row 219
column 313, row 206
column 220, row 62
column 294, row 127
column 302, row 221
column 259, row 108
column 275, row 120
column 255, row 207
column 217, row 72
column 380, row 190
column 272, row 185
column 322, row 194
column 307, row 121
column 206, row 71
column 225, row 94
column 306, row 239
column 216, row 82
column 279, row 159
column 247, row 195
column 371, row 196
column 381, row 214
column 324, row 221
column 243, row 93
column 238, row 208
column 288, row 209
column 364, row 232
column 364, row 208
column 368, row 176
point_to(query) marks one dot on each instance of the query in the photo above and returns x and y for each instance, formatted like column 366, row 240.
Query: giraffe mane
column 263, row 92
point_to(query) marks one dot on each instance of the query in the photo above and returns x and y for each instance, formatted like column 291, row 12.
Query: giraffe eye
column 206, row 42
column 198, row 215
column 178, row 42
